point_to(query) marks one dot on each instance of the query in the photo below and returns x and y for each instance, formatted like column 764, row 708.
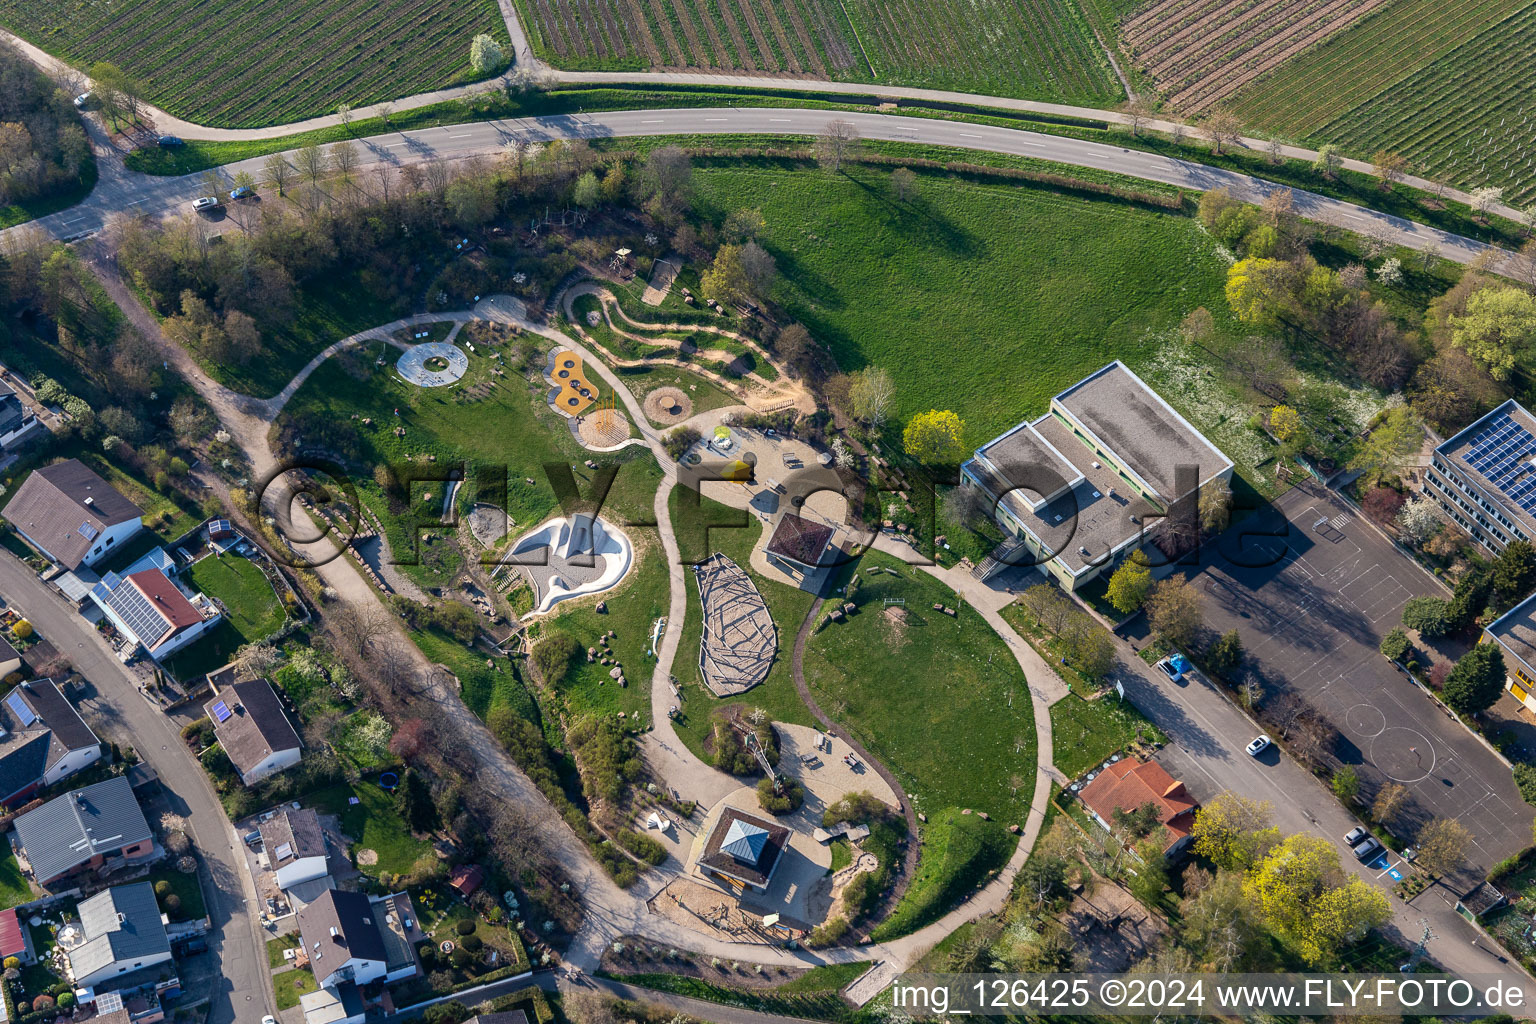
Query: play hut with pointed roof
column 742, row 851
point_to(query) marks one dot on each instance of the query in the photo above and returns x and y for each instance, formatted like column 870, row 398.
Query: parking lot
column 1311, row 590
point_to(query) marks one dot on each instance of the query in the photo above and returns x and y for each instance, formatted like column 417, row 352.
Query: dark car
column 243, row 192
column 169, row 141
column 190, row 946
column 1369, row 850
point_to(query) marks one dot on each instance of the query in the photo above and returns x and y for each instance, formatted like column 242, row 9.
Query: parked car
column 1352, row 839
column 1174, row 666
column 253, row 837
column 169, row 141
column 243, row 192
column 192, row 945
column 1258, row 746
column 1368, row 850
column 205, row 203
column 82, row 100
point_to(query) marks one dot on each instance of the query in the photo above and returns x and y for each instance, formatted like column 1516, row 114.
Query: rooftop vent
column 335, row 932
column 1096, row 465
column 1082, row 551
column 90, row 500
column 1133, row 517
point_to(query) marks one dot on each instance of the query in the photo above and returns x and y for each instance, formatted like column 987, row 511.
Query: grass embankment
column 960, row 851
column 1086, row 732
column 939, row 699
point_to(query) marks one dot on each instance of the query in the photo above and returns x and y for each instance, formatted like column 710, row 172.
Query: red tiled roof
column 168, row 601
column 466, row 878
column 11, row 941
column 1129, row 784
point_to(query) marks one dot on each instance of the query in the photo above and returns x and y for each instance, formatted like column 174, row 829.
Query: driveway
column 1311, row 622
column 236, row 985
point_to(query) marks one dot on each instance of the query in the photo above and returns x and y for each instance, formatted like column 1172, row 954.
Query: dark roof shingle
column 256, row 727
column 64, row 507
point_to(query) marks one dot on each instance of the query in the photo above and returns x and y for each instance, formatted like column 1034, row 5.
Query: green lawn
column 482, row 688
column 276, row 946
column 993, row 277
column 1086, row 732
column 13, row 885
column 940, row 700
column 959, row 851
column 253, row 612
column 372, row 824
column 251, row 606
column 187, row 890
column 510, row 430
column 290, row 985
column 788, row 605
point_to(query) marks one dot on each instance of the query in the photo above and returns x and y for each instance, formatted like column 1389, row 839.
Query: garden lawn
column 959, row 853
column 276, row 946
column 939, row 700
column 289, row 986
column 482, row 689
column 251, row 605
column 372, row 824
column 14, row 889
column 788, row 605
column 1084, row 733
column 984, row 299
column 187, row 889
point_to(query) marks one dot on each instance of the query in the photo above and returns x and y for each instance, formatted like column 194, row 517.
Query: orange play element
column 576, row 392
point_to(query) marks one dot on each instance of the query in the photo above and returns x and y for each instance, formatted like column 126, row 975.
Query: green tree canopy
column 1498, row 328
column 1130, row 584
column 935, row 437
column 1476, row 680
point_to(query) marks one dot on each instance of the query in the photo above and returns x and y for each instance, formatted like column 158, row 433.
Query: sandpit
column 668, row 406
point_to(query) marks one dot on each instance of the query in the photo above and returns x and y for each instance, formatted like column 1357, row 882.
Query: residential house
column 17, row 424
column 254, row 729
column 1110, row 468
column 71, row 515
column 342, row 1004
column 152, row 612
column 123, row 932
column 350, row 937
column 96, row 828
column 10, row 658
column 1129, row 785
column 506, row 1017
column 43, row 740
column 294, row 844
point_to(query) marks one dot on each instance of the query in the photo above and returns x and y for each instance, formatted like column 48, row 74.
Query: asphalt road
column 117, row 712
column 136, row 193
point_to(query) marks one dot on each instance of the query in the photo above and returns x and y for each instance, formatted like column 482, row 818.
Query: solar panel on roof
column 221, row 711
column 1504, row 452
column 19, row 708
column 143, row 619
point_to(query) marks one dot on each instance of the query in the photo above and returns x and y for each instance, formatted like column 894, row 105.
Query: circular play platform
column 433, row 364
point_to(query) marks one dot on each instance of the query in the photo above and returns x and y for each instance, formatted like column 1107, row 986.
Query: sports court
column 1311, row 589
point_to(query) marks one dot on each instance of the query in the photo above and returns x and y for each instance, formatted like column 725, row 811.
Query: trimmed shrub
column 466, row 926
column 1395, row 645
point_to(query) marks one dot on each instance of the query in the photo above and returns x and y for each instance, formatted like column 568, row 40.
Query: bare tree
column 383, row 174
column 358, row 627
column 1443, row 846
column 837, row 142
column 66, row 77
column 385, row 112
column 872, row 392
column 278, row 171
column 904, row 185
column 1274, row 149
column 1223, row 128
column 312, row 163
column 344, row 160
column 1137, row 116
